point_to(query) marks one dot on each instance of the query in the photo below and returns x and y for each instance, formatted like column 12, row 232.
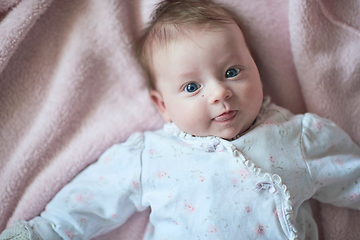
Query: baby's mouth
column 225, row 116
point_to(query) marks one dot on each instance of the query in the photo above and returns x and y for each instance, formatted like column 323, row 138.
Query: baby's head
column 201, row 73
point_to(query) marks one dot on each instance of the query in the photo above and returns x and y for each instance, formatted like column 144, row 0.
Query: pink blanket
column 70, row 87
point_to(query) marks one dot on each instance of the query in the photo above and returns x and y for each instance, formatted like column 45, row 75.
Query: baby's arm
column 99, row 199
column 333, row 160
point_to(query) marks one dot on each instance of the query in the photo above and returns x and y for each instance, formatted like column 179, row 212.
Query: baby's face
column 207, row 83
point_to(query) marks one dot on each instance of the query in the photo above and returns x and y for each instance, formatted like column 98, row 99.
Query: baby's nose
column 220, row 93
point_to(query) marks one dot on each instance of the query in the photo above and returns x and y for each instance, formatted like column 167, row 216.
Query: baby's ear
column 158, row 100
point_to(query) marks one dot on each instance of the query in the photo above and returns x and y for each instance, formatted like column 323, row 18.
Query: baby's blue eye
column 232, row 72
column 191, row 87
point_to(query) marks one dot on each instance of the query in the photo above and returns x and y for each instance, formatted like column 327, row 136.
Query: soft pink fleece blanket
column 70, row 87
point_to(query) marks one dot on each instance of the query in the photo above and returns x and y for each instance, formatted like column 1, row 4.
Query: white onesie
column 209, row 188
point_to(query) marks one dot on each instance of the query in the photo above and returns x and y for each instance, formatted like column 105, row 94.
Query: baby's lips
column 225, row 116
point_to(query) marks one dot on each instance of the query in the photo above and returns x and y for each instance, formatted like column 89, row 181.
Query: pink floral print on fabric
column 189, row 207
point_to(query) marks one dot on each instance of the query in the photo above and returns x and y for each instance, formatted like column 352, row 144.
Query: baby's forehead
column 165, row 34
column 163, row 39
column 212, row 47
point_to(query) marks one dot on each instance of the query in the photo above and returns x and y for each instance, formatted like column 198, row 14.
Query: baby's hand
column 17, row 233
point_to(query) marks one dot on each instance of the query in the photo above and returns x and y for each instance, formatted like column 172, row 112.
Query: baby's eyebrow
column 188, row 74
column 229, row 57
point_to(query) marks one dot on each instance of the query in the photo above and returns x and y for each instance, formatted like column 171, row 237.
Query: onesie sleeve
column 100, row 198
column 333, row 160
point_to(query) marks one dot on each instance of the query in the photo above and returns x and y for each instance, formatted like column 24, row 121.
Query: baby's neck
column 241, row 133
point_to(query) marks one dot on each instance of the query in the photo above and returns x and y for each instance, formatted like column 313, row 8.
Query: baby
column 227, row 165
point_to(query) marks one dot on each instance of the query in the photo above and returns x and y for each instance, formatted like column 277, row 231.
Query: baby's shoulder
column 274, row 114
column 139, row 138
